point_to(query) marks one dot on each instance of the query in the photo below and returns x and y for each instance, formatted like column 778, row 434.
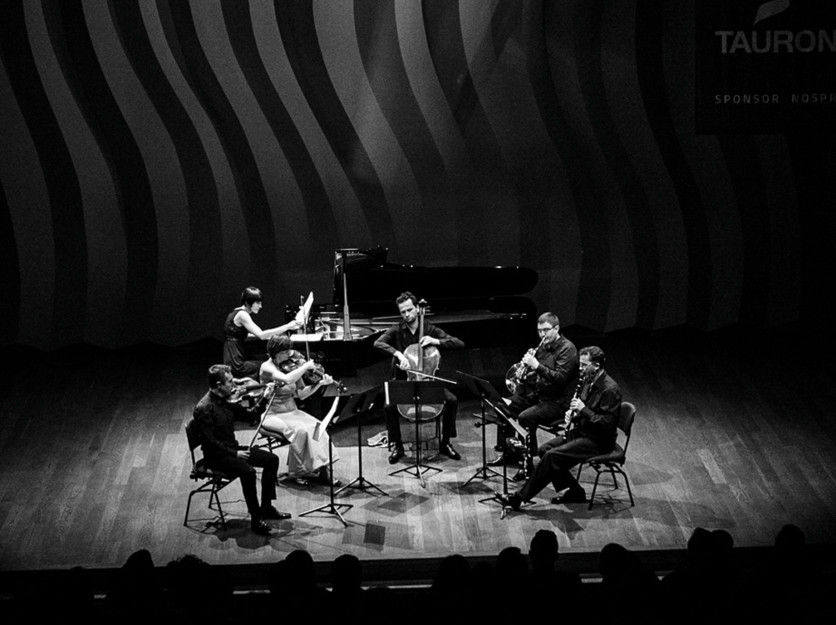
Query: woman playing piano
column 239, row 325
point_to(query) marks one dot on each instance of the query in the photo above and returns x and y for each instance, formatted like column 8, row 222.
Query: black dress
column 234, row 351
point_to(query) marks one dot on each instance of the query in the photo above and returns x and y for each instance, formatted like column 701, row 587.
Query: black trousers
column 244, row 470
column 531, row 413
column 557, row 457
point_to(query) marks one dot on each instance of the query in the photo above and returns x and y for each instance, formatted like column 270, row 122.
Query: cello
column 423, row 364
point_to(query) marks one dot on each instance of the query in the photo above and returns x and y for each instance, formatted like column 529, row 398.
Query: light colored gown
column 306, row 455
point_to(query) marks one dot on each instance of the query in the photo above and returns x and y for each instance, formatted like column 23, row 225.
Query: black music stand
column 331, row 507
column 418, row 393
column 357, row 405
column 492, row 398
column 484, row 390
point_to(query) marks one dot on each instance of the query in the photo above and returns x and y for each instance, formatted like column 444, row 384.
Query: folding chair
column 210, row 480
column 613, row 462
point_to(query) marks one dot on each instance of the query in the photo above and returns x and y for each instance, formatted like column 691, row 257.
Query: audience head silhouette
column 710, row 586
column 543, row 550
column 347, row 574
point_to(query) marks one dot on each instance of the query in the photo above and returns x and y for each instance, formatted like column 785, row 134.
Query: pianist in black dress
column 239, row 324
column 394, row 342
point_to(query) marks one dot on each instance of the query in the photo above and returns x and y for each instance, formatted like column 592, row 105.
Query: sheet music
column 322, row 426
column 514, row 423
column 307, row 338
column 305, row 310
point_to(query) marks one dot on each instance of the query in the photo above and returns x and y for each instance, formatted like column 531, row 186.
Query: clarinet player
column 546, row 378
column 592, row 431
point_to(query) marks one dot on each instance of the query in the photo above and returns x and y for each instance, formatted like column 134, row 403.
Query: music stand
column 418, row 393
column 483, row 389
column 357, row 405
column 323, row 427
column 493, row 399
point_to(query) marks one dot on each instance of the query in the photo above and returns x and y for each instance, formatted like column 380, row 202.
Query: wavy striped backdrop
column 158, row 156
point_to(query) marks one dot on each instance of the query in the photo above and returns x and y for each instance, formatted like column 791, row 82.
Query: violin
column 310, row 377
column 246, row 394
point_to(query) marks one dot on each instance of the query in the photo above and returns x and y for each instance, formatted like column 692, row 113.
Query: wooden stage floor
column 734, row 430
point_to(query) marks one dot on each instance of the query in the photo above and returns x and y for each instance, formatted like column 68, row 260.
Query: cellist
column 395, row 342
column 547, row 377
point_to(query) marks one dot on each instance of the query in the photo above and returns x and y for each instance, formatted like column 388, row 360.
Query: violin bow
column 305, row 326
column 271, row 390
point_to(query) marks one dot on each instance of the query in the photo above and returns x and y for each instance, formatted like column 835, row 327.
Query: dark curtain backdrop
column 158, row 156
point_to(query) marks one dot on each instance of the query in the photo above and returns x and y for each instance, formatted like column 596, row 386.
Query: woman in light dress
column 307, row 457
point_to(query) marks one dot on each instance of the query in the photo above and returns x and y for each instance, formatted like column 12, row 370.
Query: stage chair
column 428, row 436
column 210, row 481
column 419, row 403
column 613, row 462
column 270, row 440
column 429, row 431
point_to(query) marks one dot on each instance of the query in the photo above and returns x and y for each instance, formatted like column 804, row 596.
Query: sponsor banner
column 765, row 66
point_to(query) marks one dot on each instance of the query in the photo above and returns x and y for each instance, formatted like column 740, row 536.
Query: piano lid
column 372, row 284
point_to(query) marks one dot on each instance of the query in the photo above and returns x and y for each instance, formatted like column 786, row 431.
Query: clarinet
column 521, row 372
column 527, row 462
column 526, row 451
column 571, row 413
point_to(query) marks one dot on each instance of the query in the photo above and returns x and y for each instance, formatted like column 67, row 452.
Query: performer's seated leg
column 519, row 403
column 393, row 432
column 448, row 425
column 545, row 413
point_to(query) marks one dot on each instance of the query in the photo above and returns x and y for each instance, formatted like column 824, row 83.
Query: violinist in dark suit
column 395, row 342
column 215, row 416
column 592, row 430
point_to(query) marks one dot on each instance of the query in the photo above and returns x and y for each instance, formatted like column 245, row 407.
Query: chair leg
column 188, row 506
column 612, row 471
column 594, row 487
column 629, row 490
column 213, row 493
column 218, row 502
column 614, row 479
column 621, row 472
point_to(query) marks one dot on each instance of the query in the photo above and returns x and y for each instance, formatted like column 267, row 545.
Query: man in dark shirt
column 215, row 417
column 592, row 431
column 395, row 342
column 543, row 390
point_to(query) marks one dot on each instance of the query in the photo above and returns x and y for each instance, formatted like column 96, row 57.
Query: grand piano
column 484, row 306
